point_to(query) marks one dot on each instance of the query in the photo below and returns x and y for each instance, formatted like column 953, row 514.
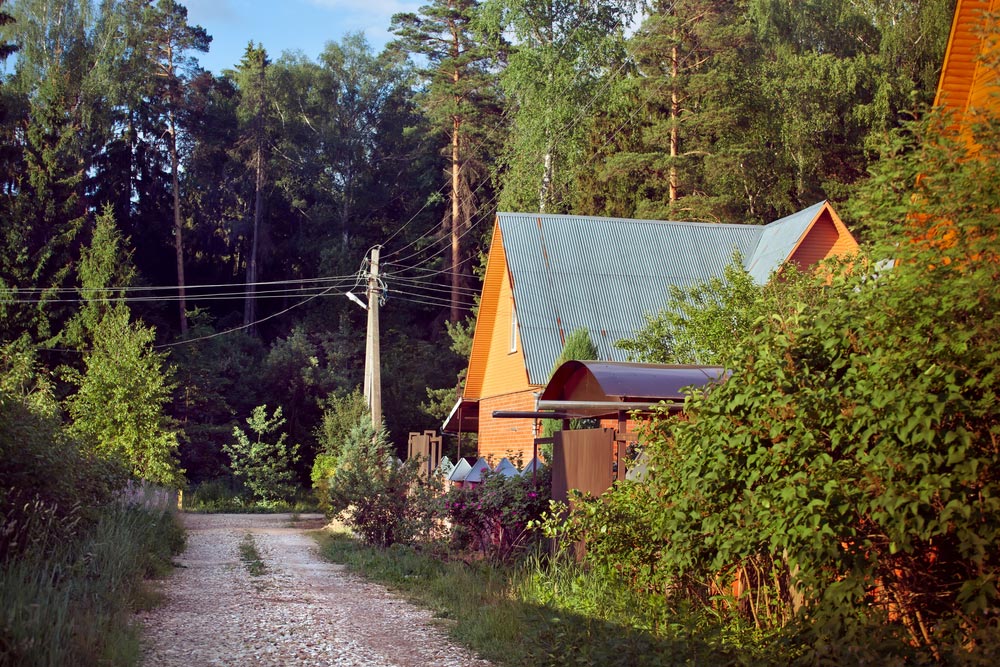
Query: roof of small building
column 611, row 381
column 606, row 274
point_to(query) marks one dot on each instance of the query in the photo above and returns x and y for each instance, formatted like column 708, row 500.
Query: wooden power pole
column 373, row 373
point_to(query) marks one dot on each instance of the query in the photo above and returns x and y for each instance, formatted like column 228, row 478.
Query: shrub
column 497, row 516
column 73, row 604
column 382, row 500
column 265, row 465
column 847, row 471
column 49, row 482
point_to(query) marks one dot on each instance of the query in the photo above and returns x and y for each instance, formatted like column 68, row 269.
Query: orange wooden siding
column 965, row 82
column 506, row 370
column 826, row 237
column 496, row 271
column 493, row 368
column 498, row 378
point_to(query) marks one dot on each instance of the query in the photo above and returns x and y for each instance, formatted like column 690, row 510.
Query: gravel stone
column 302, row 611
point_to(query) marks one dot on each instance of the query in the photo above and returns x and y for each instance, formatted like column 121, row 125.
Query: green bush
column 497, row 516
column 385, row 502
column 847, row 472
column 73, row 604
column 264, row 464
column 49, row 483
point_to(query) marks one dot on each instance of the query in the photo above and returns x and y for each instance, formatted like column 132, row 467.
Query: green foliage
column 847, row 471
column 228, row 495
column 378, row 497
column 75, row 605
column 342, row 413
column 578, row 346
column 496, row 517
column 119, row 404
column 212, row 388
column 707, row 323
column 555, row 612
column 105, row 267
column 441, row 401
column 552, row 71
column 264, row 464
column 50, row 483
column 124, row 388
column 250, row 556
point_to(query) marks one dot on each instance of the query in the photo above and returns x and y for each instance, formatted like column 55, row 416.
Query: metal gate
column 583, row 460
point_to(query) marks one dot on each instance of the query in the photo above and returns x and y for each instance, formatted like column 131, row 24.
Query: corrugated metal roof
column 604, row 274
column 777, row 241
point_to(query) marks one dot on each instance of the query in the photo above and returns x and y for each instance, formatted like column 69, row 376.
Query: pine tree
column 171, row 38
column 252, row 75
column 118, row 408
column 460, row 101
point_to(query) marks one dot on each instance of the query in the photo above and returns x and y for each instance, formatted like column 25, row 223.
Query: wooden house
column 548, row 275
column 969, row 80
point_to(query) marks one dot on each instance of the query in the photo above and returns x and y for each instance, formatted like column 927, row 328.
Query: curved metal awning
column 613, row 381
column 606, row 388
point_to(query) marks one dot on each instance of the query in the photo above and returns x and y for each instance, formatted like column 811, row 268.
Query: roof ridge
column 694, row 223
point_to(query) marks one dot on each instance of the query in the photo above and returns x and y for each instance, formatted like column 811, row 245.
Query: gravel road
column 302, row 611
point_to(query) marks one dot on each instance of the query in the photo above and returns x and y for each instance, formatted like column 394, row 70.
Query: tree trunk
column 543, row 195
column 675, row 112
column 250, row 306
column 456, row 184
column 456, row 222
column 253, row 277
column 178, row 222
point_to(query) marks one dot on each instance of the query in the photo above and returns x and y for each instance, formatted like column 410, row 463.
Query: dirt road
column 301, row 611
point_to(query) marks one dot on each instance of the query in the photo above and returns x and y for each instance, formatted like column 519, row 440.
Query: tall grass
column 554, row 612
column 72, row 605
column 228, row 495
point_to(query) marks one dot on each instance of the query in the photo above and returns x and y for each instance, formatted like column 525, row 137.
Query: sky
column 288, row 25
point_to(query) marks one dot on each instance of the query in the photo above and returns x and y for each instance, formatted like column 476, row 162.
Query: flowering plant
column 494, row 516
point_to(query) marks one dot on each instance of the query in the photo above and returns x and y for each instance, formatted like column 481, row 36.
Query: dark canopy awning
column 615, row 381
column 463, row 418
column 609, row 388
column 600, row 389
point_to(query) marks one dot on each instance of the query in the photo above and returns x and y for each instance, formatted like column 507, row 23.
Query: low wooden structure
column 427, row 446
column 590, row 460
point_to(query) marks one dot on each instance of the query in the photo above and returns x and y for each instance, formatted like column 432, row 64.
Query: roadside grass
column 73, row 605
column 544, row 612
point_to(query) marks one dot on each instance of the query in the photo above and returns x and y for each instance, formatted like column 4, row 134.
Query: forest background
column 176, row 245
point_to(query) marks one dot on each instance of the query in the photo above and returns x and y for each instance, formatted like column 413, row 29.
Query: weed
column 251, row 557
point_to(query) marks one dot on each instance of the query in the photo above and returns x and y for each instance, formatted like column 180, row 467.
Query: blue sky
column 288, row 25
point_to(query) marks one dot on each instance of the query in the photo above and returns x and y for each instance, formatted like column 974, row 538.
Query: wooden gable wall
column 493, row 368
column 826, row 237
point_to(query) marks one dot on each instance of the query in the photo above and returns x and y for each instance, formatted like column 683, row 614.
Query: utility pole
column 373, row 373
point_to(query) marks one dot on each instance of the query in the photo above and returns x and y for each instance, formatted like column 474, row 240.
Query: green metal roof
column 604, row 274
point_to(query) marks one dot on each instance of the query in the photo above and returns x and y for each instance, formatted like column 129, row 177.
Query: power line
column 242, row 326
column 214, row 296
column 290, row 281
